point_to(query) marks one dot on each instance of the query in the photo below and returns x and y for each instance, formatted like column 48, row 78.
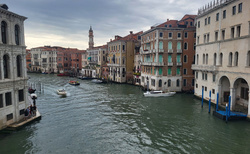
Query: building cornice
column 3, row 11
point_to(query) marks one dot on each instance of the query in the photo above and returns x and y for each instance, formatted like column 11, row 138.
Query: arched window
column 185, row 58
column 4, row 32
column 169, row 83
column 206, row 58
column 236, row 57
column 160, row 83
column 185, row 46
column 230, row 59
column 160, row 45
column 197, row 60
column 6, row 66
column 17, row 35
column 169, row 45
column 221, row 58
column 215, row 56
column 177, row 83
column 19, row 66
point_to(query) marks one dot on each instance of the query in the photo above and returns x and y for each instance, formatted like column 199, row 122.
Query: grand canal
column 116, row 118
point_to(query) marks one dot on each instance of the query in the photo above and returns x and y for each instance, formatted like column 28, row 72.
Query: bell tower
column 91, row 38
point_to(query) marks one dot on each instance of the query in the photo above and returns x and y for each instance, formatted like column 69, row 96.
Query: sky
column 66, row 23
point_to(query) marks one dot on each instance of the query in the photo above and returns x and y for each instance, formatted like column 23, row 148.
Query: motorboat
column 96, row 81
column 61, row 92
column 158, row 94
column 74, row 83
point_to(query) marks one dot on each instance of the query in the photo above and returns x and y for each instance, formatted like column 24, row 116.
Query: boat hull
column 159, row 94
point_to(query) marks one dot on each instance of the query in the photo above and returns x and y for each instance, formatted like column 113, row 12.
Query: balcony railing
column 161, row 50
column 179, row 64
column 170, row 50
column 158, row 64
column 170, row 63
column 209, row 68
column 179, row 51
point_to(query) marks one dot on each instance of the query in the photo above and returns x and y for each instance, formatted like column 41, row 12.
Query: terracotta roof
column 129, row 37
column 173, row 23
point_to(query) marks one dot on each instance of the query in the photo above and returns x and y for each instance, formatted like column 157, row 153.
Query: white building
column 13, row 76
column 223, row 52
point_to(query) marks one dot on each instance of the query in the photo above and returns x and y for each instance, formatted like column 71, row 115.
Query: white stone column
column 233, row 100
column 1, row 68
column 220, row 94
column 24, row 67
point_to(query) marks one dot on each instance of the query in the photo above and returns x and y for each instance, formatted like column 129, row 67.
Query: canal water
column 116, row 118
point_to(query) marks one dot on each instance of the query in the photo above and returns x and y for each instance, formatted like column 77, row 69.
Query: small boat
column 96, row 81
column 61, row 92
column 85, row 78
column 30, row 90
column 44, row 72
column 158, row 94
column 62, row 74
column 74, row 83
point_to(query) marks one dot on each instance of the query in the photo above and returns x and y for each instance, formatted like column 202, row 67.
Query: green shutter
column 169, row 58
column 160, row 71
column 169, row 45
column 161, row 45
column 169, row 71
column 178, row 45
column 178, row 58
column 178, row 71
column 160, row 58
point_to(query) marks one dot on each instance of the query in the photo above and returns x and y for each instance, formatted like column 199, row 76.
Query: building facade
column 121, row 53
column 13, row 74
column 163, row 49
column 223, row 52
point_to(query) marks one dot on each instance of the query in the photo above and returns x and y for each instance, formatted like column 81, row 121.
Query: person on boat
column 26, row 113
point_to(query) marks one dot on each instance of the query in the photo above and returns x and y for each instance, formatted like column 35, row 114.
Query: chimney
column 131, row 32
column 110, row 40
column 167, row 19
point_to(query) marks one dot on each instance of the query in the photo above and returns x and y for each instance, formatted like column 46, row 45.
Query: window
column 217, row 16
column 240, row 8
column 244, row 93
column 184, row 71
column 215, row 56
column 160, row 71
column 197, row 59
column 194, row 35
column 194, row 46
column 9, row 116
column 170, row 45
column 236, row 58
column 191, row 23
column 185, row 82
column 197, row 75
column 178, row 45
column 160, row 83
column 178, row 71
column 169, row 83
column 198, row 24
column 213, row 91
column 222, row 34
column 8, row 99
column 230, row 59
column 169, row 71
column 234, row 10
column 170, row 25
column 152, row 82
column 185, row 46
column 19, row 66
column 160, row 45
column 221, row 59
column 196, row 85
column 185, row 58
column 169, row 35
column 21, row 112
column 205, row 21
column 179, row 35
column 1, row 100
column 203, row 76
column 17, row 34
column 207, row 38
column 214, row 77
column 206, row 58
column 20, row 95
column 4, row 32
column 232, row 32
column 248, row 58
column 177, row 83
column 216, row 36
column 224, row 14
column 161, row 34
column 208, row 21
column 123, row 47
column 186, row 34
column 192, row 82
column 6, row 66
column 198, row 40
column 238, row 31
column 165, row 25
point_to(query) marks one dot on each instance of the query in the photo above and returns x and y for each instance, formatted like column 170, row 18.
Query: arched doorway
column 224, row 91
column 241, row 100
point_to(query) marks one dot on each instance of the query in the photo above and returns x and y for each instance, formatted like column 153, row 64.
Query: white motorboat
column 61, row 92
column 96, row 81
column 158, row 94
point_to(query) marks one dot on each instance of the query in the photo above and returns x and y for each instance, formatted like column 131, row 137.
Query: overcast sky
column 66, row 22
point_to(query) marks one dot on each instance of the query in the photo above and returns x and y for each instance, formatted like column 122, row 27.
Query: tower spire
column 91, row 38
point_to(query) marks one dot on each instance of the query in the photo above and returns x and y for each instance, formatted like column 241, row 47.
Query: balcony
column 161, row 50
column 179, row 64
column 179, row 51
column 157, row 64
column 209, row 68
column 170, row 63
column 146, row 63
column 170, row 50
column 113, row 65
column 146, row 51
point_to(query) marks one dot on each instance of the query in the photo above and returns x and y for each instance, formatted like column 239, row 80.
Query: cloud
column 66, row 22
